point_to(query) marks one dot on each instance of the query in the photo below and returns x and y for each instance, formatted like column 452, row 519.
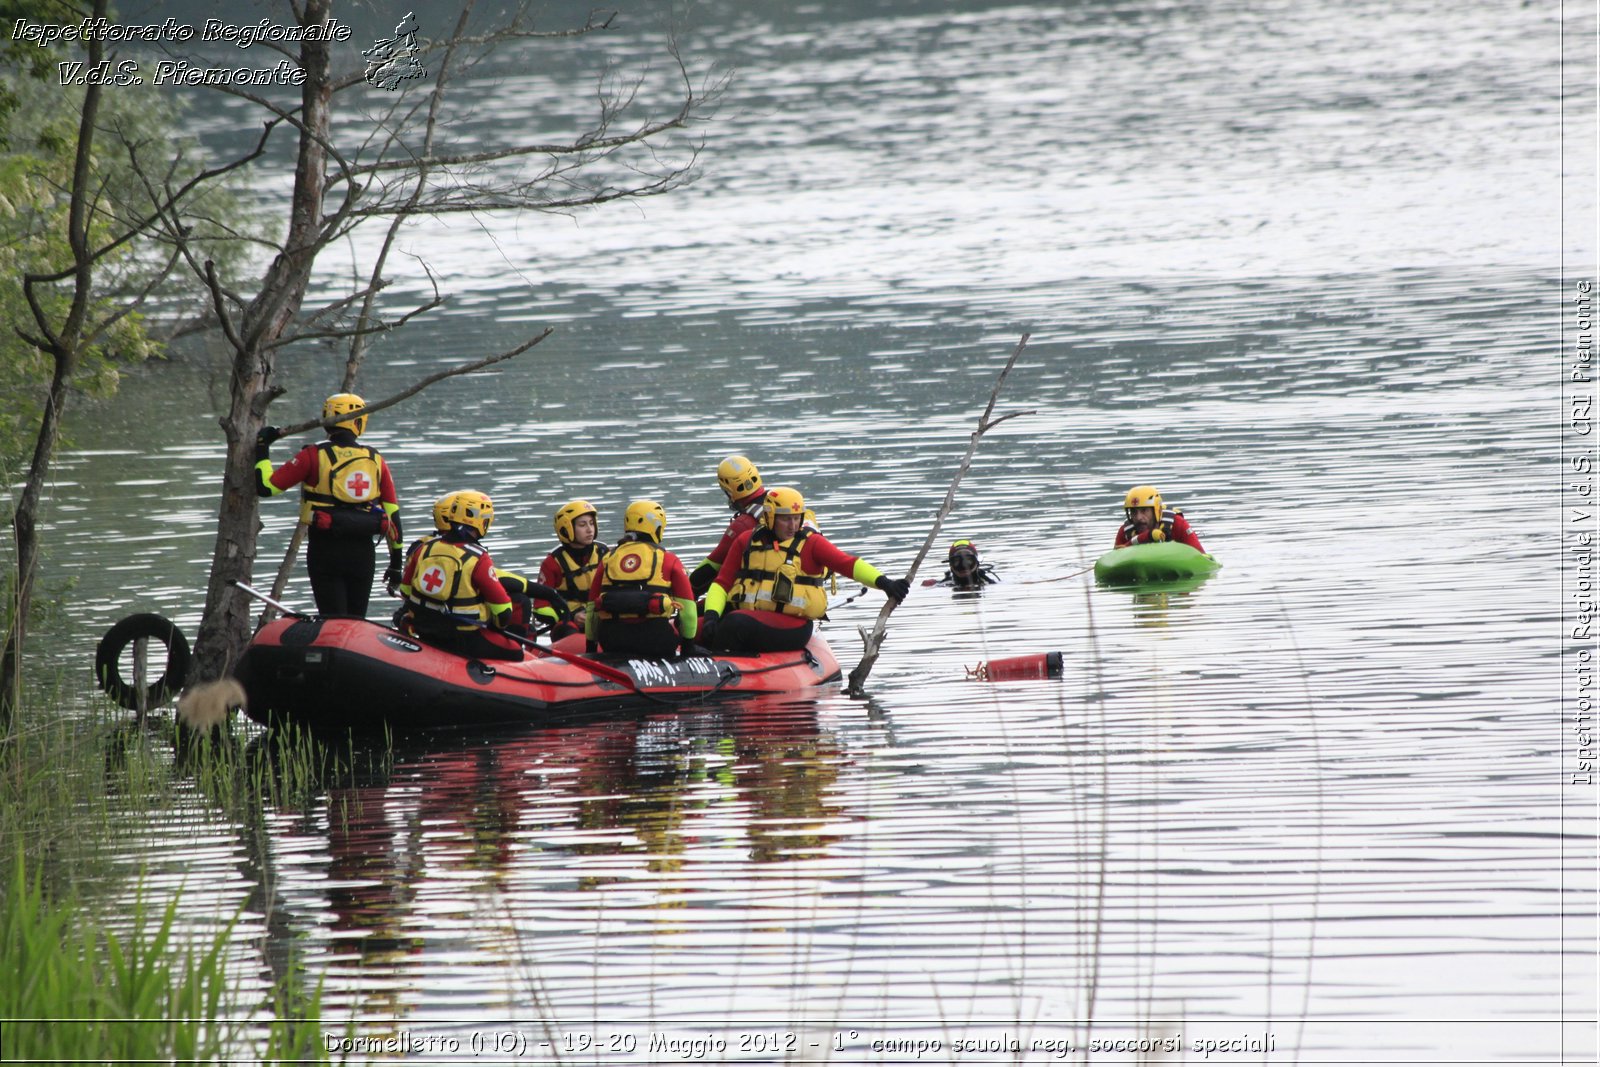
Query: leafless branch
column 873, row 640
column 163, row 206
column 219, row 308
column 358, row 347
column 417, row 387
column 137, row 300
column 590, row 146
column 50, row 341
column 357, row 332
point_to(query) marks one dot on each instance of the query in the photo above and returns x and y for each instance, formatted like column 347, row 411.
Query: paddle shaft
column 265, row 599
column 573, row 658
column 554, row 598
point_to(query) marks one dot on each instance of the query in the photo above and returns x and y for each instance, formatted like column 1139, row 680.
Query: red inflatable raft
column 351, row 674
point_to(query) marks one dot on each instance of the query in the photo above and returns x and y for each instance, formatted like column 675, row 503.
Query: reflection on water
column 426, row 867
column 1277, row 260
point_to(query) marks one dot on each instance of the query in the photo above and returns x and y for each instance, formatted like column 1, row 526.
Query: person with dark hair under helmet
column 1146, row 521
column 572, row 565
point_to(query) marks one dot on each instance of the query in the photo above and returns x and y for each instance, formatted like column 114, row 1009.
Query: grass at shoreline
column 82, row 992
column 107, row 969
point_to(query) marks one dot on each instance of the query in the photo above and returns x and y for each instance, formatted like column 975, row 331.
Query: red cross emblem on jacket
column 358, row 486
column 433, row 579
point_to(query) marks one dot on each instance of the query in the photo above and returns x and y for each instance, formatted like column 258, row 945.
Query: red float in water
column 1018, row 668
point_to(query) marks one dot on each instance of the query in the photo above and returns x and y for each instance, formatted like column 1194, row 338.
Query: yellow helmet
column 441, row 511
column 570, row 513
column 646, row 517
column 1142, row 496
column 471, row 509
column 739, row 478
column 343, row 404
column 781, row 500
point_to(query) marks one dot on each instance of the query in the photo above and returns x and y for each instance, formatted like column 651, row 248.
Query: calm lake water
column 1299, row 265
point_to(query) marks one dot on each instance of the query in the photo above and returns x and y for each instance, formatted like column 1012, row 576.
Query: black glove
column 701, row 577
column 392, row 576
column 687, row 647
column 264, row 438
column 708, row 626
column 894, row 588
column 591, row 646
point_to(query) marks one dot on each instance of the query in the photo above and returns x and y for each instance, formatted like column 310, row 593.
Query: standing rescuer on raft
column 771, row 583
column 347, row 499
column 639, row 588
column 741, row 484
column 1147, row 522
column 454, row 599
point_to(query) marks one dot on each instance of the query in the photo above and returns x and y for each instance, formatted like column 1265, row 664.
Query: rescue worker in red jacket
column 571, row 566
column 440, row 525
column 638, row 590
column 454, row 599
column 347, row 499
column 1147, row 521
column 741, row 484
column 771, row 584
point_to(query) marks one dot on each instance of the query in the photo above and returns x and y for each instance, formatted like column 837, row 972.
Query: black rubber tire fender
column 108, row 660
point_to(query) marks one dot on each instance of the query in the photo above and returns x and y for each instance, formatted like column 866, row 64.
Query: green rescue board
column 1147, row 564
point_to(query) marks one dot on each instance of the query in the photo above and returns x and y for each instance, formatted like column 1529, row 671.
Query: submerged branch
column 873, row 640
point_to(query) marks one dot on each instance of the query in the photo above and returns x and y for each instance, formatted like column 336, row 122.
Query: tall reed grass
column 105, row 974
column 81, row 993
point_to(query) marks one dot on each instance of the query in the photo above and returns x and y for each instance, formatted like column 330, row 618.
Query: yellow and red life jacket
column 576, row 578
column 348, row 476
column 1161, row 531
column 632, row 585
column 770, row 578
column 442, row 581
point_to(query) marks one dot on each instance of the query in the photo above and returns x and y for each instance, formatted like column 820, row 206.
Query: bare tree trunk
column 65, row 348
column 24, row 526
column 226, row 627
